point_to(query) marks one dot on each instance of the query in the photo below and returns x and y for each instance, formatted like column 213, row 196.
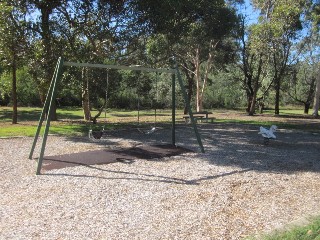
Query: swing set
column 51, row 96
column 96, row 135
column 153, row 128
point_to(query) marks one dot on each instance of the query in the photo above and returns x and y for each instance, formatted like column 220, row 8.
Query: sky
column 252, row 15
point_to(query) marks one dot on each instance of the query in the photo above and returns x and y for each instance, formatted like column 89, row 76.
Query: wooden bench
column 202, row 116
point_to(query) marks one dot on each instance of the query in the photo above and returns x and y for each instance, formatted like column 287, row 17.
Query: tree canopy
column 217, row 49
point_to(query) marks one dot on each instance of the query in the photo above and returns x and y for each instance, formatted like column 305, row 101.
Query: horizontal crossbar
column 135, row 68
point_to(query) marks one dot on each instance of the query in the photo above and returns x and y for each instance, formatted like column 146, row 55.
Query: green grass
column 308, row 232
column 286, row 111
column 28, row 119
column 252, row 122
column 72, row 113
column 71, row 123
column 16, row 130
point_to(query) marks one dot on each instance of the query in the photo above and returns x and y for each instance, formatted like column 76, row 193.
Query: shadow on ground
column 240, row 145
column 236, row 144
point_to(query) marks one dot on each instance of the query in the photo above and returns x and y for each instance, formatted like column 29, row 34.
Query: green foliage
column 13, row 31
column 315, row 13
column 5, row 88
column 177, row 19
column 302, row 82
column 224, row 92
column 144, row 32
column 279, row 21
column 26, row 88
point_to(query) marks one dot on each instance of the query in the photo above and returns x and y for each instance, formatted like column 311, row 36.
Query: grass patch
column 308, row 232
column 251, row 122
column 29, row 129
column 16, row 130
column 71, row 122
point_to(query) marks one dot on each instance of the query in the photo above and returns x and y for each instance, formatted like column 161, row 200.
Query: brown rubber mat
column 128, row 155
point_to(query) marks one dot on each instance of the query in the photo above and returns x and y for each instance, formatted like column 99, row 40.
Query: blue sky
column 247, row 9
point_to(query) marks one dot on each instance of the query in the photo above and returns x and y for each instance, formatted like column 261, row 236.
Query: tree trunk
column 277, row 99
column 255, row 92
column 261, row 106
column 306, row 107
column 46, row 9
column 53, row 115
column 316, row 101
column 201, row 85
column 253, row 105
column 189, row 73
column 249, row 101
column 198, row 79
column 42, row 96
column 85, row 95
column 14, row 91
column 189, row 91
column 249, row 90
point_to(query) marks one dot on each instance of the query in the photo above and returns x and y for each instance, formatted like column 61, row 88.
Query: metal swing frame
column 153, row 129
column 51, row 96
column 96, row 135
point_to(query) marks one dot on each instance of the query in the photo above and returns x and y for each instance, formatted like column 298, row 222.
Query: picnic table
column 199, row 116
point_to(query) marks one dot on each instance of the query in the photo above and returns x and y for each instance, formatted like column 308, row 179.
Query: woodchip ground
column 239, row 187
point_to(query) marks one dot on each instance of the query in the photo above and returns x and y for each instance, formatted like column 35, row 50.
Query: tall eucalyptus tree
column 98, row 31
column 274, row 36
column 44, row 51
column 314, row 17
column 13, row 40
column 193, row 31
column 251, row 64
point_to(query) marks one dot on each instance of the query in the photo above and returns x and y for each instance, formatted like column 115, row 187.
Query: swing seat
column 147, row 131
column 95, row 134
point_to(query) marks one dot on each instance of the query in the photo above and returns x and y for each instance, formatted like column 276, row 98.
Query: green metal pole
column 52, row 98
column 173, row 134
column 43, row 113
column 193, row 122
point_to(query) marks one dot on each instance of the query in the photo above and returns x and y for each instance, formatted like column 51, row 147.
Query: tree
column 194, row 32
column 252, row 65
column 44, row 52
column 12, row 43
column 277, row 28
column 308, row 67
column 98, row 31
column 314, row 17
column 316, row 101
column 301, row 83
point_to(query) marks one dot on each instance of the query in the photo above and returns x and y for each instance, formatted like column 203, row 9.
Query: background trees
column 13, row 41
column 226, row 60
column 274, row 37
column 196, row 32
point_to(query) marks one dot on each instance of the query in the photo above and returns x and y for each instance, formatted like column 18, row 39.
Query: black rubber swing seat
column 97, row 134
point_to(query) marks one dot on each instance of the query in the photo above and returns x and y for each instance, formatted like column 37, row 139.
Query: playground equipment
column 153, row 128
column 51, row 95
column 268, row 134
column 97, row 134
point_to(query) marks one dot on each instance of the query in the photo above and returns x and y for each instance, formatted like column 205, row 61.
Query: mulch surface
column 147, row 152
